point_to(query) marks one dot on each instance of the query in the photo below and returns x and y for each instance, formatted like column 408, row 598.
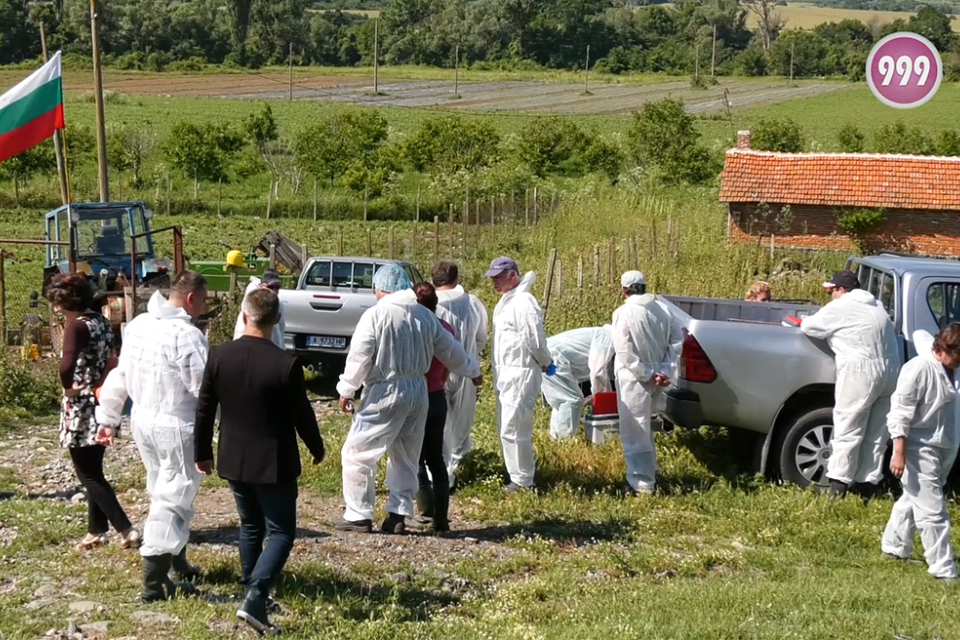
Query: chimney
column 743, row 139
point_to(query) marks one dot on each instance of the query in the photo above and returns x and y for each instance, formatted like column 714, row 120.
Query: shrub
column 778, row 134
column 29, row 390
column 850, row 138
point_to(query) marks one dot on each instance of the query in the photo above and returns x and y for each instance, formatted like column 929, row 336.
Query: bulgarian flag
column 32, row 111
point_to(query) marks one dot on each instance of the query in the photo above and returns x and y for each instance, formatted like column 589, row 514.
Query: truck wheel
column 805, row 448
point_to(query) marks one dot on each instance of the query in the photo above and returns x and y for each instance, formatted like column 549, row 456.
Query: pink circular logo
column 904, row 70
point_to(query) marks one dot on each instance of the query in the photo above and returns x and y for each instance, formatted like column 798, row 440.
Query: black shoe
column 441, row 526
column 394, row 523
column 157, row 585
column 183, row 570
column 353, row 526
column 838, row 489
column 425, row 502
column 866, row 490
column 253, row 611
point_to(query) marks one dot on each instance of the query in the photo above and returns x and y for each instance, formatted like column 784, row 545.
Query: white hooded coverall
column 160, row 369
column 648, row 340
column 860, row 333
column 278, row 329
column 519, row 355
column 468, row 317
column 926, row 411
column 390, row 354
column 572, row 352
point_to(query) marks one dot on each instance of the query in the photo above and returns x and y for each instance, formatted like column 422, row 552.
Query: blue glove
column 551, row 370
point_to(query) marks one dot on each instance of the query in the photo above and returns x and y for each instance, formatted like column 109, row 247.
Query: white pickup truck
column 322, row 312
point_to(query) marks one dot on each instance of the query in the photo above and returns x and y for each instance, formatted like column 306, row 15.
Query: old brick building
column 799, row 198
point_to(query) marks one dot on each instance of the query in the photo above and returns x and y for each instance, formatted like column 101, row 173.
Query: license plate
column 326, row 342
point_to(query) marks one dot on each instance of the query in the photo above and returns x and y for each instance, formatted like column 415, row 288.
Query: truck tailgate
column 758, row 367
column 323, row 313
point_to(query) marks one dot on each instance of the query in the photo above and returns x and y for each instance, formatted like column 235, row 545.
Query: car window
column 874, row 284
column 886, row 294
column 363, row 275
column 943, row 298
column 415, row 276
column 319, row 275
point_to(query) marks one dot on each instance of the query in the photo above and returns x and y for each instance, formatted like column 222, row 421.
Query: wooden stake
column 365, row 192
column 290, row 97
column 102, row 174
column 526, row 207
column 548, row 286
column 376, row 56
column 456, row 73
column 393, row 247
column 713, row 56
column 369, row 243
column 559, row 284
column 169, row 188
column 596, row 265
column 340, row 242
column 436, row 238
column 413, row 241
column 416, row 217
column 219, row 197
column 579, row 272
column 586, row 73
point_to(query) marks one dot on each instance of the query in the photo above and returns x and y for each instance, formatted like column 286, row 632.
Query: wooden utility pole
column 98, row 98
column 376, row 56
column 291, row 72
column 57, row 137
column 791, row 63
column 586, row 73
column 696, row 63
column 456, row 73
column 713, row 57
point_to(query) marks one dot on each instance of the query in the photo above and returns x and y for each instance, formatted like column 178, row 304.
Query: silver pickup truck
column 742, row 369
column 322, row 312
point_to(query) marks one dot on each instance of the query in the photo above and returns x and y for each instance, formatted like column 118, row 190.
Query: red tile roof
column 842, row 179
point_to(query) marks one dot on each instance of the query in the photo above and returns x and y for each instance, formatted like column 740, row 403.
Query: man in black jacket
column 263, row 404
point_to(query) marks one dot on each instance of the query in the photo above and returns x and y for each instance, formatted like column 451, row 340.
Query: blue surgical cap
column 391, row 278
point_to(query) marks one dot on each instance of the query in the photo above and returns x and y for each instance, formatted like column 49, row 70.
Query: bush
column 663, row 135
column 29, row 390
column 850, row 138
column 898, row 138
column 193, row 64
column 158, row 61
column 778, row 134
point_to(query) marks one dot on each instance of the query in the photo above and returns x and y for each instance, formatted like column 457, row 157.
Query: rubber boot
column 157, row 584
column 425, row 505
column 838, row 489
column 867, row 491
column 394, row 523
column 183, row 570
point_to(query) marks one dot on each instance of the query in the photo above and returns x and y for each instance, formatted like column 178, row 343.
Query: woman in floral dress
column 87, row 348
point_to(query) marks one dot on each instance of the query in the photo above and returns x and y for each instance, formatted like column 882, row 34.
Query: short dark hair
column 948, row 339
column 70, row 291
column 262, row 307
column 445, row 273
column 188, row 282
column 636, row 289
column 426, row 295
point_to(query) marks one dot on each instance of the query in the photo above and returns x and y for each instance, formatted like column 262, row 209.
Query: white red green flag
column 32, row 110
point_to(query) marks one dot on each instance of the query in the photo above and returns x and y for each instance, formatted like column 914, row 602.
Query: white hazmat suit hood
column 391, row 351
column 860, row 333
column 468, row 317
column 278, row 329
column 572, row 352
column 519, row 354
column 160, row 369
column 926, row 411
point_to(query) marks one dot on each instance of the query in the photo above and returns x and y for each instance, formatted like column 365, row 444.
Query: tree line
column 678, row 38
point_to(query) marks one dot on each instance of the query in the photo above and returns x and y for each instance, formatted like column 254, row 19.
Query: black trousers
column 103, row 508
column 267, row 511
column 431, row 456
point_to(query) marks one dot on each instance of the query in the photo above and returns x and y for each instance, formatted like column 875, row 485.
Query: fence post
column 548, row 286
column 413, row 240
column 596, row 265
column 314, row 199
column 436, row 238
column 369, row 244
column 579, row 272
column 464, row 222
column 340, row 242
column 393, row 253
column 559, row 279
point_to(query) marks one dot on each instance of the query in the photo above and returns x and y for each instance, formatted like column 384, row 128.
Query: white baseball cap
column 632, row 277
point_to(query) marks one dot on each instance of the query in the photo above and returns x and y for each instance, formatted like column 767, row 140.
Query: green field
column 718, row 554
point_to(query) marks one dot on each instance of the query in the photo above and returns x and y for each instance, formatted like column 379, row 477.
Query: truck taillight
column 695, row 366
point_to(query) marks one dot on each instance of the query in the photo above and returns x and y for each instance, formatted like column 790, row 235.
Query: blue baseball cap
column 500, row 265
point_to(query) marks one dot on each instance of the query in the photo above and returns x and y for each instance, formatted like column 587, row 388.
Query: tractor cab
column 102, row 242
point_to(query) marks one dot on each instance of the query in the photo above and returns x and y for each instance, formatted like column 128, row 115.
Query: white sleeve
column 363, row 348
column 601, row 353
column 821, row 324
column 448, row 351
column 529, row 320
column 113, row 395
column 904, row 401
column 482, row 335
column 671, row 363
column 192, row 352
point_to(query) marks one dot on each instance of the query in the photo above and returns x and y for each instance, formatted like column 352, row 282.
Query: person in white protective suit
column 648, row 341
column 573, row 352
column 390, row 354
column 270, row 280
column 160, row 369
column 520, row 357
column 864, row 342
column 468, row 317
column 924, row 422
